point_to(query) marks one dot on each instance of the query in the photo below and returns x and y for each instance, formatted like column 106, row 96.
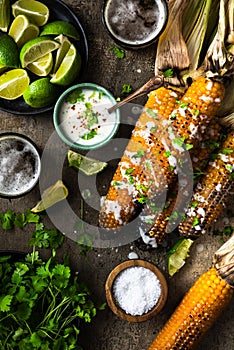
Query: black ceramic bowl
column 58, row 11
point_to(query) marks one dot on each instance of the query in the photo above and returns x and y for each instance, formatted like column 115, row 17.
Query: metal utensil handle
column 152, row 84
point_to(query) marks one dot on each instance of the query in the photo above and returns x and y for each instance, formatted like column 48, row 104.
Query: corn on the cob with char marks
column 201, row 306
column 120, row 204
column 186, row 124
column 212, row 191
column 188, row 127
column 157, row 221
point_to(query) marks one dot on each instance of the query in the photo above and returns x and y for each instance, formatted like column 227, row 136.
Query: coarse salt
column 136, row 290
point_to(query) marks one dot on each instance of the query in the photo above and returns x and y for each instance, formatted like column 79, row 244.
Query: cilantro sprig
column 10, row 220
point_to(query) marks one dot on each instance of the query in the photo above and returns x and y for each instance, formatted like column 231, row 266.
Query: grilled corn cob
column 185, row 125
column 211, row 192
column 120, row 205
column 201, row 306
column 154, row 218
column 157, row 221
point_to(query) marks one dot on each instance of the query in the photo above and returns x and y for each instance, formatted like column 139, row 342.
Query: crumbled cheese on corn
column 115, row 208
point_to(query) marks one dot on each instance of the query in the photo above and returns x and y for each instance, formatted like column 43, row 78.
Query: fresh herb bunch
column 41, row 304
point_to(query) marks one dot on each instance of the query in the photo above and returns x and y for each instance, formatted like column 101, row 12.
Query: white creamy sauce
column 87, row 121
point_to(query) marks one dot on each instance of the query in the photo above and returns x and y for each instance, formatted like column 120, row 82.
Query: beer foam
column 135, row 21
column 19, row 166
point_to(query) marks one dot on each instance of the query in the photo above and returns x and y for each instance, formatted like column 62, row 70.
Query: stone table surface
column 107, row 332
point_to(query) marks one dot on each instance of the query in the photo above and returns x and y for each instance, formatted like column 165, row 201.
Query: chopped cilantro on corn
column 212, row 191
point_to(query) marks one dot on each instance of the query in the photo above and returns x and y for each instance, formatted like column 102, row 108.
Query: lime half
column 51, row 196
column 88, row 166
column 178, row 254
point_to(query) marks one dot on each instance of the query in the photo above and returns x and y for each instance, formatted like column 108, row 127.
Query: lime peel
column 60, row 27
column 178, row 254
column 9, row 54
column 4, row 15
column 89, row 166
column 52, row 195
column 41, row 93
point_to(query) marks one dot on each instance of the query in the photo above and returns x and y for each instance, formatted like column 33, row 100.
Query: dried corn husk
column 172, row 51
column 224, row 261
column 199, row 29
column 230, row 38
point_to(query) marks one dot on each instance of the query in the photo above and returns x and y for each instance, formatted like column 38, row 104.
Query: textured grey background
column 107, row 332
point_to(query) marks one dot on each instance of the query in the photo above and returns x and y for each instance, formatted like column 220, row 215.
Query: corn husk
column 199, row 24
column 218, row 59
column 172, row 50
column 230, row 38
column 224, row 261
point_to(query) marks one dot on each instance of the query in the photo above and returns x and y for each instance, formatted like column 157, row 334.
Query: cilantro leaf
column 5, row 303
column 139, row 154
column 7, row 220
column 126, row 89
column 129, row 171
column 195, row 222
column 61, row 275
column 119, row 53
column 227, row 151
column 169, row 73
column 20, row 220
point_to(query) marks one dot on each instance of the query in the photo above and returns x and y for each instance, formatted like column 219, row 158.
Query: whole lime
column 9, row 54
column 41, row 93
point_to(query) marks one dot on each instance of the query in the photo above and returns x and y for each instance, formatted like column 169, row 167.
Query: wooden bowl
column 111, row 300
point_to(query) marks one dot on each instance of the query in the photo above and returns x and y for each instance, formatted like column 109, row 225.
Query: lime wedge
column 51, row 196
column 88, row 166
column 4, row 14
column 36, row 48
column 22, row 31
column 36, row 12
column 69, row 69
column 60, row 27
column 13, row 83
column 62, row 50
column 178, row 254
column 43, row 66
column 9, row 54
